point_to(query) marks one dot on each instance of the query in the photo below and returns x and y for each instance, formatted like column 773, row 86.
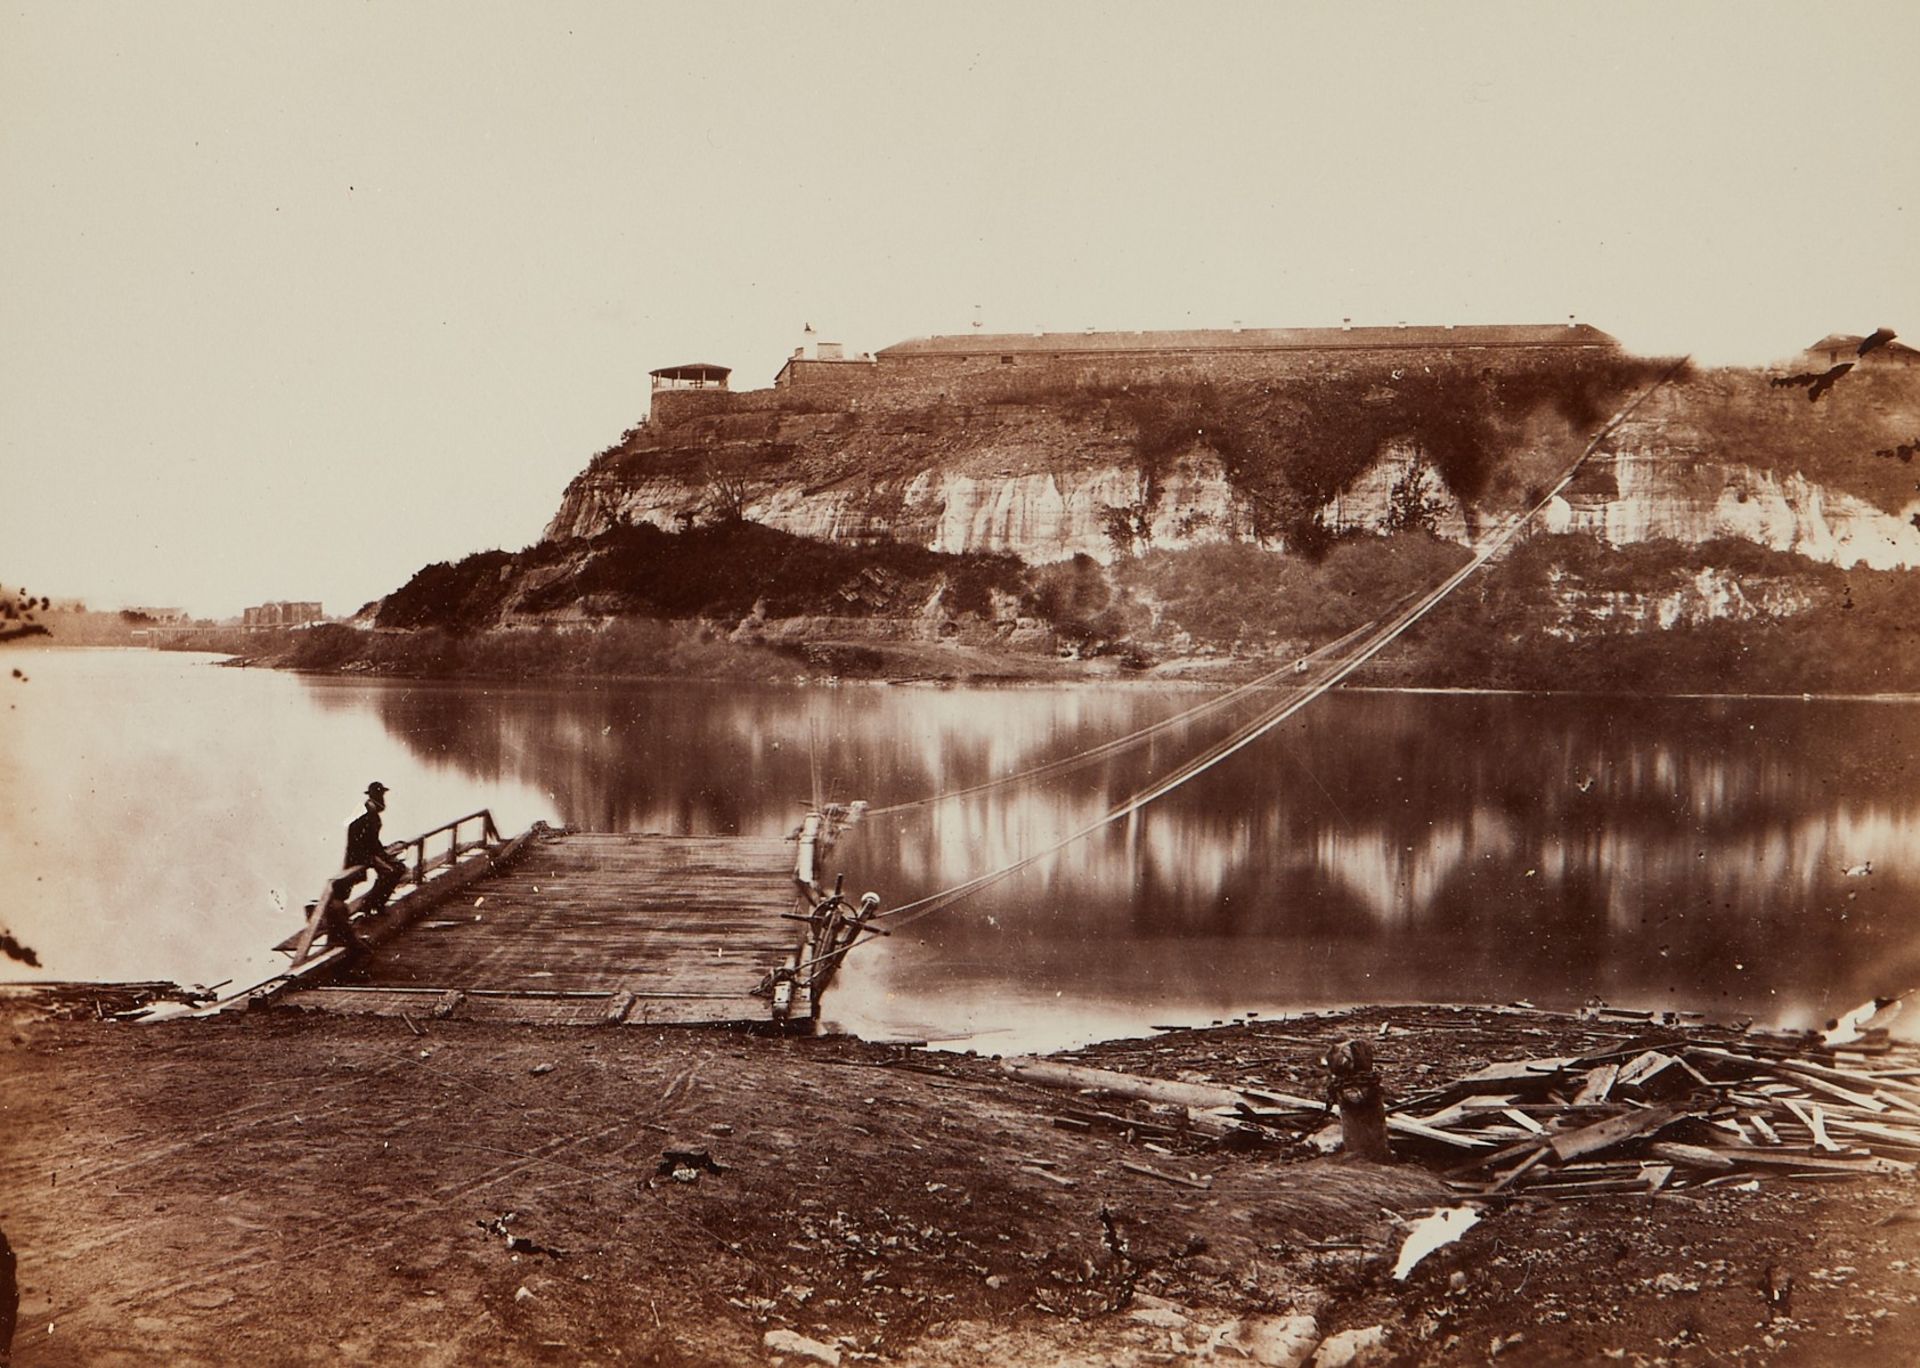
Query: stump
column 1357, row 1090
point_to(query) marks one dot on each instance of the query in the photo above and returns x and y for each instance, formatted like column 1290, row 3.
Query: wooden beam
column 1613, row 1130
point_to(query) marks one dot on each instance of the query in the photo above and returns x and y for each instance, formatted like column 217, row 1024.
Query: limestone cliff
column 1717, row 456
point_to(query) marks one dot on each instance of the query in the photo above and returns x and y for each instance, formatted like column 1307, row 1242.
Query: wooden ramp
column 589, row 928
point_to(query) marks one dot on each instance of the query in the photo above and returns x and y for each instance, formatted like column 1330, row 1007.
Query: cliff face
column 1040, row 516
column 1656, row 498
column 1730, row 455
column 1721, row 456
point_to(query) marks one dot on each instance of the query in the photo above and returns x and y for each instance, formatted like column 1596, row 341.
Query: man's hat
column 375, row 787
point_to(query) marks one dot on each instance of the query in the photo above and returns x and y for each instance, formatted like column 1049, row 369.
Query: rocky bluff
column 1111, row 471
column 1173, row 503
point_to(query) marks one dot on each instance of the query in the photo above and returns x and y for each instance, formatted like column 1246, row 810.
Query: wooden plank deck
column 590, row 927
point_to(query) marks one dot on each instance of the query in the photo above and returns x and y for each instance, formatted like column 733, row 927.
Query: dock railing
column 420, row 868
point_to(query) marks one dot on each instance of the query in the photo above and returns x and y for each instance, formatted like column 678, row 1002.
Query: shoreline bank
column 1234, row 676
column 289, row 1189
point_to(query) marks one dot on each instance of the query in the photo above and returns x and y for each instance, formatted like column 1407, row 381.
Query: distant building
column 816, row 364
column 1014, row 349
column 1837, row 348
column 281, row 615
column 988, row 367
column 693, row 375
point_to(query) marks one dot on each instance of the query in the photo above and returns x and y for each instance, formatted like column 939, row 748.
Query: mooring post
column 1356, row 1088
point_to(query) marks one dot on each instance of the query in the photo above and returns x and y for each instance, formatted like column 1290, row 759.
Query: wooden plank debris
column 1810, row 1116
column 1201, row 1183
column 1605, row 1134
column 1599, row 1084
column 1682, row 1105
column 1689, row 1156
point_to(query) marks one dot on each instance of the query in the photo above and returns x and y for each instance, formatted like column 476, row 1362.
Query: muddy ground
column 279, row 1188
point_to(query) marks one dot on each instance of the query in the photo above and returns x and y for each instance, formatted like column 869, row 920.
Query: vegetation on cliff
column 726, row 570
column 1555, row 613
column 1570, row 613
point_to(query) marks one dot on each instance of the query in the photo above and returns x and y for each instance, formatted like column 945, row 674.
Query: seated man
column 364, row 848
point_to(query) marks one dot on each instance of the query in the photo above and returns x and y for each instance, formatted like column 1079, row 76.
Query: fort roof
column 1253, row 339
column 692, row 370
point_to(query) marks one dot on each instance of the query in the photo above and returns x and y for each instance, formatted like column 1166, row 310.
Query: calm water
column 161, row 816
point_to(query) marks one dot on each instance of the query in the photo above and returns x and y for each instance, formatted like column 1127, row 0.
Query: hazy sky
column 295, row 298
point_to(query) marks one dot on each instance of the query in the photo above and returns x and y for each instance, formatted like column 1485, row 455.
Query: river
column 165, row 818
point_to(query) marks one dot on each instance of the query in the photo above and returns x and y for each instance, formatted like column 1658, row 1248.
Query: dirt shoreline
column 1197, row 676
column 282, row 1188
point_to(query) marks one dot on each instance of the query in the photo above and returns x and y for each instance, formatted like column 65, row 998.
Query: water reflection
column 159, row 818
column 1673, row 852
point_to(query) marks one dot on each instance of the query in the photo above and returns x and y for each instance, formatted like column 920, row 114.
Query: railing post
column 420, row 860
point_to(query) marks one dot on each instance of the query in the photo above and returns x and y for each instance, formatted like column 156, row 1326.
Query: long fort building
column 985, row 366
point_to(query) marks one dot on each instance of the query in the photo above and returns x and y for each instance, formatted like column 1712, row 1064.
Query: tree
column 17, row 615
column 1412, row 506
column 727, row 499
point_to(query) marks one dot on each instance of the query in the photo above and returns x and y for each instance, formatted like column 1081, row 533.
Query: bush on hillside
column 1238, row 595
column 1854, row 632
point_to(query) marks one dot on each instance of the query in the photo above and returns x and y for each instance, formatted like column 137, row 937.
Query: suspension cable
column 1286, row 708
column 1092, row 754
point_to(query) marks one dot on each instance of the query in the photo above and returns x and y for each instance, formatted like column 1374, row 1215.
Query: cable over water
column 1295, row 700
column 1093, row 754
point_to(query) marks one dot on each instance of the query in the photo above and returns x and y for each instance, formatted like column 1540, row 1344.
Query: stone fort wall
column 922, row 381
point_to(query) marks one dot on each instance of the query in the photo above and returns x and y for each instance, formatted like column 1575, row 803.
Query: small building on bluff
column 817, row 367
column 691, row 375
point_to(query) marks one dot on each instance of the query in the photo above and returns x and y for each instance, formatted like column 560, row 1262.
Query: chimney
column 1346, row 325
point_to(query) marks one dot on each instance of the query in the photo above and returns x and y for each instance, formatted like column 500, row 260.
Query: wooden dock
column 576, row 928
column 587, row 928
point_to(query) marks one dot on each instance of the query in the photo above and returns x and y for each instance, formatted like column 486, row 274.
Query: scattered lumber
column 1692, row 1108
column 1681, row 1104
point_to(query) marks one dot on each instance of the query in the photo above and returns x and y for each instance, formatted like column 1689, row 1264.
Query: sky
column 296, row 298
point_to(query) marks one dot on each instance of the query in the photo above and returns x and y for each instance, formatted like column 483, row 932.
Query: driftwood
column 1080, row 1077
column 1200, row 1103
